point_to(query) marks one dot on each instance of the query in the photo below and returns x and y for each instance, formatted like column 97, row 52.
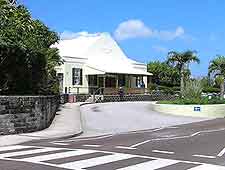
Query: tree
column 163, row 74
column 26, row 57
column 181, row 60
column 217, row 68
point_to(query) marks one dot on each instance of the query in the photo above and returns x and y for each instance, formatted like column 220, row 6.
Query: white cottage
column 93, row 61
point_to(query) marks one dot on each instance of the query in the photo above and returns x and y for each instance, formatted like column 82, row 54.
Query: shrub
column 210, row 89
column 193, row 90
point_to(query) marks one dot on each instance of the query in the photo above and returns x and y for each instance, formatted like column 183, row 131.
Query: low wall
column 21, row 114
column 131, row 97
column 137, row 97
column 213, row 111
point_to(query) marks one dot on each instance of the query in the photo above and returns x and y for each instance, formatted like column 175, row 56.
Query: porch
column 109, row 84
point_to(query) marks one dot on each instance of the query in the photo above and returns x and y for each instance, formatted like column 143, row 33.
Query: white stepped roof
column 101, row 52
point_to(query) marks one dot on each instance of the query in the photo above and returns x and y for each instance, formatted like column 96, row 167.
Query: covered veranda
column 109, row 83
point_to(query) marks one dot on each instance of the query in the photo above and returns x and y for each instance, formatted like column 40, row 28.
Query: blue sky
column 145, row 29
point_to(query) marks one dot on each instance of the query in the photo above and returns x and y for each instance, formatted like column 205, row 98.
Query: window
column 77, row 76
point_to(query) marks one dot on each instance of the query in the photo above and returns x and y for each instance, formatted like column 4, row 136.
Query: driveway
column 122, row 117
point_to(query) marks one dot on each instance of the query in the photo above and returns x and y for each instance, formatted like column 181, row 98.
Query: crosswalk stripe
column 45, row 154
column 11, row 154
column 208, row 167
column 151, row 165
column 79, row 165
column 8, row 148
column 37, row 159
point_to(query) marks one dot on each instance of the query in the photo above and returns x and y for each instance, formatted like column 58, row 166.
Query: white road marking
column 151, row 165
column 78, row 165
column 159, row 151
column 142, row 131
column 125, row 147
column 19, row 153
column 37, row 159
column 176, row 137
column 221, row 152
column 90, row 138
column 58, row 143
column 205, row 156
column 141, row 143
column 111, row 135
column 208, row 167
column 7, row 148
column 96, row 146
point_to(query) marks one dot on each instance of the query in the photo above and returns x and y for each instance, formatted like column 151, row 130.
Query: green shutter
column 81, row 77
column 73, row 72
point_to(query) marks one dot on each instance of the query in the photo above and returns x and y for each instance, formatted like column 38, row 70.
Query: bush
column 165, row 89
column 193, row 90
column 211, row 89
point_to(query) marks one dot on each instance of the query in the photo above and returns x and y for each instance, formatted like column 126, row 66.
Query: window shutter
column 73, row 76
column 81, row 77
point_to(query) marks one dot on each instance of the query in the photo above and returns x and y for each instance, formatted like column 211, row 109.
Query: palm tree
column 217, row 67
column 182, row 60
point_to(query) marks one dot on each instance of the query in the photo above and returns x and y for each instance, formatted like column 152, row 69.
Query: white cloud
column 67, row 35
column 132, row 29
column 170, row 35
column 137, row 29
column 160, row 49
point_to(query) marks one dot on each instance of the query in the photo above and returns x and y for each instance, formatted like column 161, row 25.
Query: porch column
column 128, row 81
column 117, row 81
column 104, row 81
column 145, row 80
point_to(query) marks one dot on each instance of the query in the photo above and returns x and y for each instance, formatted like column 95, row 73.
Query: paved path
column 195, row 146
column 120, row 117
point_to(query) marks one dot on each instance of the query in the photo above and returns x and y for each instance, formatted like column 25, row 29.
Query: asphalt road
column 196, row 146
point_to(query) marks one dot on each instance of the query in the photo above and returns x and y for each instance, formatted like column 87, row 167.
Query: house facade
column 95, row 61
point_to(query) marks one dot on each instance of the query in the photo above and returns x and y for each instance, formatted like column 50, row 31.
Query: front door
column 110, row 82
column 100, row 82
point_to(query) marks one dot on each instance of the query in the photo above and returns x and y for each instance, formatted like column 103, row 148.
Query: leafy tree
column 27, row 60
column 163, row 74
column 182, row 60
column 217, row 68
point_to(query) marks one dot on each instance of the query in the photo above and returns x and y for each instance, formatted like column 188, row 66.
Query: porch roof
column 89, row 70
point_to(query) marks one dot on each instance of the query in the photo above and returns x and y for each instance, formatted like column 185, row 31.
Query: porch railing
column 107, row 91
column 127, row 91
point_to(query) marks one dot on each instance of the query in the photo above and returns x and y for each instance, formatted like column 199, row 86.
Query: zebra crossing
column 84, row 159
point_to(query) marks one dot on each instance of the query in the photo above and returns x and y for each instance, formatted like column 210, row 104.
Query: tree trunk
column 222, row 90
column 182, row 82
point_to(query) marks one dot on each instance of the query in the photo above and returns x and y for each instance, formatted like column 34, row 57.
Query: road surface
column 195, row 146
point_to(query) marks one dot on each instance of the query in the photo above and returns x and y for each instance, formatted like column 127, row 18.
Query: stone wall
column 21, row 114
